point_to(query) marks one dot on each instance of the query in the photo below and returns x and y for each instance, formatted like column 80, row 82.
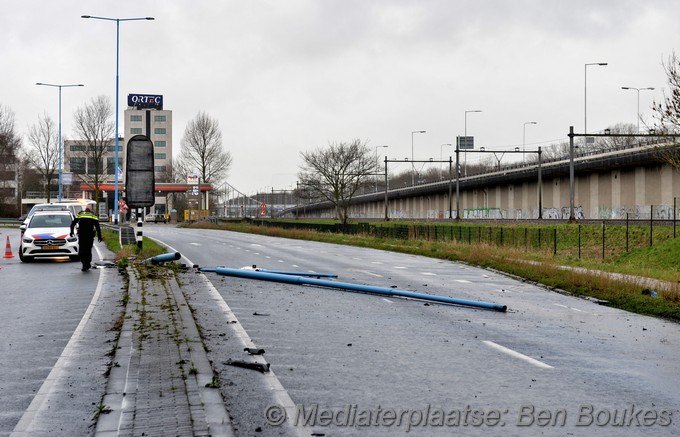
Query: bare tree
column 10, row 142
column 612, row 142
column 95, row 129
column 43, row 154
column 202, row 151
column 667, row 112
column 337, row 172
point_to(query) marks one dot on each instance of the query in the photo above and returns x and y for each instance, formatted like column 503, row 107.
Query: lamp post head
column 59, row 85
column 651, row 88
column 117, row 19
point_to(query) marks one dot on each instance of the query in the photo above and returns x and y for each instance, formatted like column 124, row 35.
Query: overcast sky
column 285, row 76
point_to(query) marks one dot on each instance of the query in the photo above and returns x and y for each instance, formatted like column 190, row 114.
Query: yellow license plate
column 50, row 247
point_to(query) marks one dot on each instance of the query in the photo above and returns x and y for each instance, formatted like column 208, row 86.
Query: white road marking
column 195, row 244
column 463, row 281
column 279, row 393
column 53, row 383
column 428, row 274
column 574, row 309
column 516, row 354
column 376, row 262
column 387, row 300
column 400, row 268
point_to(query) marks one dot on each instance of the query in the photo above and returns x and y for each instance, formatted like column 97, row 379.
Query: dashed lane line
column 518, row 355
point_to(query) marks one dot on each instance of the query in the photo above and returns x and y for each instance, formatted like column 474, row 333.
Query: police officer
column 88, row 225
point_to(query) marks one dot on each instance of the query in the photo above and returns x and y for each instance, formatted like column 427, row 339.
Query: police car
column 46, row 234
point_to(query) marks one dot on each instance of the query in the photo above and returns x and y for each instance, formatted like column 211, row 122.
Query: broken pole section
column 300, row 280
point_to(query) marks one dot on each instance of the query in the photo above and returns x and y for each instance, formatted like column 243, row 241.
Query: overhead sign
column 465, row 143
column 140, row 101
column 140, row 184
column 192, row 179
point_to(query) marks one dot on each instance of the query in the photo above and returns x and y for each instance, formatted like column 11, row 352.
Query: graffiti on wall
column 483, row 213
column 637, row 212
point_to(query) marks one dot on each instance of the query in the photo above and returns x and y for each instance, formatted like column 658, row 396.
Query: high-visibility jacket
column 88, row 225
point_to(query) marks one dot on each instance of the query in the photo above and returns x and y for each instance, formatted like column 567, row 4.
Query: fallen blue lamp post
column 311, row 274
column 300, row 280
column 165, row 257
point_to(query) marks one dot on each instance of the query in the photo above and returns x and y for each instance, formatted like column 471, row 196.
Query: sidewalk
column 160, row 382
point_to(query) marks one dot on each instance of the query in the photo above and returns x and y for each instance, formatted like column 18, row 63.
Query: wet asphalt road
column 353, row 363
column 41, row 306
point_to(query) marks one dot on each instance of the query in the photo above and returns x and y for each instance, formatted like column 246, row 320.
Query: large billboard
column 144, row 101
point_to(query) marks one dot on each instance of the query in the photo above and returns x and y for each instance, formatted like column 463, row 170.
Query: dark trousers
column 85, row 250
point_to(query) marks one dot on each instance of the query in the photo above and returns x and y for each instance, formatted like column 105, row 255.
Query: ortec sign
column 145, row 101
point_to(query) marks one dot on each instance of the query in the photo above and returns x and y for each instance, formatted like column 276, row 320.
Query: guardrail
column 9, row 221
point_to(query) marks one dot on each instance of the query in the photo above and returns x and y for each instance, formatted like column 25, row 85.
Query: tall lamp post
column 638, row 101
column 465, row 134
column 585, row 95
column 413, row 164
column 61, row 143
column 524, row 137
column 117, row 20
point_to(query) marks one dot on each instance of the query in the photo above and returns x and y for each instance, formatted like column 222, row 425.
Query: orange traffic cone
column 8, row 250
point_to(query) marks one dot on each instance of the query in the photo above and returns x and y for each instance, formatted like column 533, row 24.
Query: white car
column 73, row 206
column 47, row 235
column 155, row 218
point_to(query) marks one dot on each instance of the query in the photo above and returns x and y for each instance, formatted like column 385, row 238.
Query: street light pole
column 524, row 136
column 413, row 164
column 465, row 135
column 61, row 143
column 638, row 101
column 585, row 95
column 117, row 164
